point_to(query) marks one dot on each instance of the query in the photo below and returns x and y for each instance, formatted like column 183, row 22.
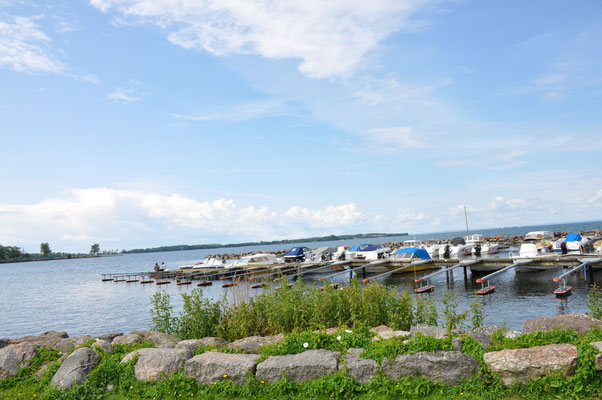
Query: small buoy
column 366, row 280
column 486, row 290
column 424, row 289
column 563, row 291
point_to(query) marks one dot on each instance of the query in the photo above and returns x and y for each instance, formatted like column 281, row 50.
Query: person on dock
column 157, row 268
column 163, row 266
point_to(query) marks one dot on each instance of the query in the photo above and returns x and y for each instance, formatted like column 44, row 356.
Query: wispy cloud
column 25, row 48
column 241, row 112
column 330, row 38
column 394, row 139
column 122, row 95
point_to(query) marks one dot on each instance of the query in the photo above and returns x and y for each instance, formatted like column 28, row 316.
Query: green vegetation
column 45, row 249
column 263, row 243
column 94, row 249
column 586, row 383
column 594, row 302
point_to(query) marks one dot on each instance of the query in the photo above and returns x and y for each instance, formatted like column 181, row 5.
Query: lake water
column 69, row 295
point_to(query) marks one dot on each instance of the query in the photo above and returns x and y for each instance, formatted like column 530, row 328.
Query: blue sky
column 137, row 123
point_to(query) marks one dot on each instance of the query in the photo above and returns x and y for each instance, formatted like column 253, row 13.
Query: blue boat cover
column 369, row 247
column 296, row 251
column 359, row 248
column 572, row 237
column 420, row 253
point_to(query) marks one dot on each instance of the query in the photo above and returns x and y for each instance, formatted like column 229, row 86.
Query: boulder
column 4, row 342
column 449, row 367
column 47, row 339
column 152, row 364
column 598, row 360
column 161, row 340
column 360, row 369
column 69, row 344
column 109, row 336
column 252, row 344
column 130, row 339
column 428, row 330
column 489, row 330
column 580, row 323
column 75, row 369
column 522, row 365
column 214, row 366
column 311, row 364
column 14, row 357
column 329, row 331
column 213, row 342
column 384, row 332
column 104, row 345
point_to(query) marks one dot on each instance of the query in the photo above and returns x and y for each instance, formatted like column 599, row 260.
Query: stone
column 252, row 344
column 429, row 330
column 360, row 369
column 67, row 345
column 457, row 344
column 14, row 357
column 311, row 364
column 75, row 369
column 132, row 338
column 190, row 344
column 598, row 360
column 522, row 365
column 109, row 336
column 384, row 332
column 214, row 342
column 4, row 342
column 161, row 340
column 152, row 364
column 449, row 367
column 580, row 323
column 104, row 345
column 213, row 366
column 329, row 331
column 47, row 339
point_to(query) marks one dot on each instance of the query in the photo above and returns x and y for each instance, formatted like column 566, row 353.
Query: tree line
column 15, row 253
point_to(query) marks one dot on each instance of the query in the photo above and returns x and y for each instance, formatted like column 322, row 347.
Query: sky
column 141, row 123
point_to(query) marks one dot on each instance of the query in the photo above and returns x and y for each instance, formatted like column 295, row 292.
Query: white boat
column 434, row 248
column 532, row 251
column 459, row 247
column 372, row 252
column 256, row 260
column 539, row 235
column 573, row 243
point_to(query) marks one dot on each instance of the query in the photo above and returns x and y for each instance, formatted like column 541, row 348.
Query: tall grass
column 299, row 308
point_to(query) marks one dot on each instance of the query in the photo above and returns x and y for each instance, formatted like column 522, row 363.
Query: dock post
column 350, row 274
column 363, row 273
column 464, row 267
column 590, row 274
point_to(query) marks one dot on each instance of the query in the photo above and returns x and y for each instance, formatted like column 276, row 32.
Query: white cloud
column 330, row 38
column 25, row 48
column 240, row 112
column 499, row 203
column 596, row 199
column 330, row 217
column 121, row 95
column 409, row 216
column 392, row 139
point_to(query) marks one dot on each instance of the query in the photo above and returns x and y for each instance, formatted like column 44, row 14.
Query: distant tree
column 94, row 249
column 13, row 252
column 2, row 252
column 45, row 250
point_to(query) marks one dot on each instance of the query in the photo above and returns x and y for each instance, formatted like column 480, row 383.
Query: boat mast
column 466, row 217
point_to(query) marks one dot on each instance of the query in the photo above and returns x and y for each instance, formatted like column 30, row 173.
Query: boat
column 434, row 248
column 573, row 243
column 321, row 254
column 539, row 235
column 372, row 252
column 408, row 255
column 255, row 260
column 296, row 254
column 459, row 247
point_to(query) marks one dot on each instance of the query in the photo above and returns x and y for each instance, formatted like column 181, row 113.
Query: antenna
column 466, row 217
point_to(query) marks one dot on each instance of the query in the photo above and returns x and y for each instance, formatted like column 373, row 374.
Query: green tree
column 45, row 249
column 94, row 249
column 13, row 252
column 2, row 252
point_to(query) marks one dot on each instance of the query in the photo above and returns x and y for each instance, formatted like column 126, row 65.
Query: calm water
column 69, row 295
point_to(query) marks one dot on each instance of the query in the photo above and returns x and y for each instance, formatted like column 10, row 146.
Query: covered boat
column 296, row 254
column 372, row 252
column 410, row 254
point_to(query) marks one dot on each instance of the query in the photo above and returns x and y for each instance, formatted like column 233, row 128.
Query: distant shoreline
column 262, row 243
column 56, row 258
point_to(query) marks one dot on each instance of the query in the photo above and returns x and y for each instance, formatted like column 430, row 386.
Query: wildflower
column 339, row 337
column 215, row 383
column 261, row 381
column 348, row 331
column 306, row 345
column 225, row 375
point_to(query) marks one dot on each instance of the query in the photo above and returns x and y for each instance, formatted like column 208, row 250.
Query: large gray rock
column 14, row 357
column 360, row 369
column 216, row 342
column 252, row 344
column 109, row 336
column 4, row 342
column 67, row 345
column 214, row 366
column 305, row 366
column 598, row 361
column 130, row 339
column 491, row 329
column 449, row 367
column 384, row 332
column 104, row 345
column 152, row 364
column 429, row 330
column 161, row 340
column 75, row 369
column 522, row 365
column 47, row 339
column 580, row 323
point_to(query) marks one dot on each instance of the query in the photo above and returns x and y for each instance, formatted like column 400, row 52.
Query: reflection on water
column 69, row 295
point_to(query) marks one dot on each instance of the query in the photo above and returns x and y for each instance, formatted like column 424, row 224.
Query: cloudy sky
column 137, row 123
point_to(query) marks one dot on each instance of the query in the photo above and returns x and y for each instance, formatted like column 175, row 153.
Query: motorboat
column 409, row 255
column 296, row 254
column 321, row 254
column 255, row 260
column 372, row 252
column 433, row 247
column 539, row 235
column 459, row 247
column 573, row 243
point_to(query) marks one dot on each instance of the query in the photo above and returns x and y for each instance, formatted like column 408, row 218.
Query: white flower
column 339, row 337
column 306, row 345
column 347, row 330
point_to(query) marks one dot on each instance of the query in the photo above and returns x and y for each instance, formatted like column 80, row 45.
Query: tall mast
column 466, row 217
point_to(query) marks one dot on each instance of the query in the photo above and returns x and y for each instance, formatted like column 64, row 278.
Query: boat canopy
column 458, row 240
column 413, row 251
column 361, row 247
column 296, row 251
column 369, row 247
column 572, row 237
